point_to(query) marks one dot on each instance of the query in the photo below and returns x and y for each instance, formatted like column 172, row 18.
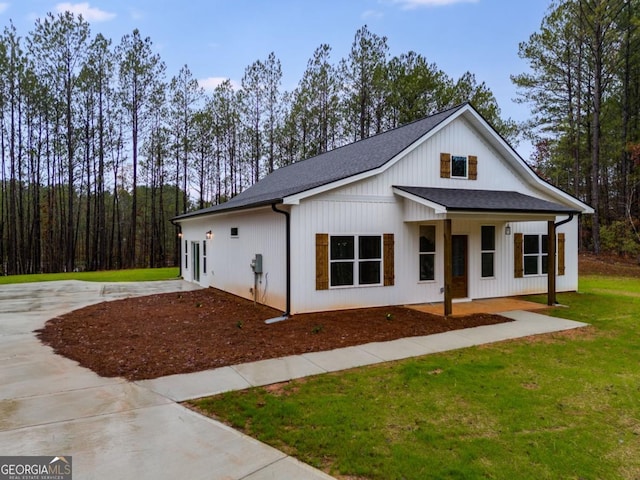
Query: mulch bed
column 149, row 337
column 153, row 336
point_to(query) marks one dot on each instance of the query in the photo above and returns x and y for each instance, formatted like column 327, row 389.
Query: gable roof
column 457, row 199
column 366, row 157
column 343, row 162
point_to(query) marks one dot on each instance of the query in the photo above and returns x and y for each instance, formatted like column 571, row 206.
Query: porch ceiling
column 456, row 200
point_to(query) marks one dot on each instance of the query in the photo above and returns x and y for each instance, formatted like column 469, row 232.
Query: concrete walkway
column 49, row 405
column 265, row 372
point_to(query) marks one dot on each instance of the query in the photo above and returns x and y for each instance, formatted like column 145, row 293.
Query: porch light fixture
column 209, row 235
column 179, row 234
column 507, row 229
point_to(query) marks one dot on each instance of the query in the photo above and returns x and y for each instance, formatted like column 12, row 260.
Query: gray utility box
column 256, row 263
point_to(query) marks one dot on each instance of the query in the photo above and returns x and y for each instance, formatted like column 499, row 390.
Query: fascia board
column 437, row 208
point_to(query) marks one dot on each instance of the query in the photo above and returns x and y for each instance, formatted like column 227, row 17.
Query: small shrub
column 317, row 329
column 239, row 324
column 389, row 316
column 620, row 238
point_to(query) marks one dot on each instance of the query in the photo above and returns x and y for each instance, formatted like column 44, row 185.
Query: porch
column 486, row 305
column 450, row 206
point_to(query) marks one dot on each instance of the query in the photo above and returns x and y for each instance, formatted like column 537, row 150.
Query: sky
column 218, row 39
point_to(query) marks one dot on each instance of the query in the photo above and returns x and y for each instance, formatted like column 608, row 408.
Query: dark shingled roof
column 457, row 199
column 340, row 163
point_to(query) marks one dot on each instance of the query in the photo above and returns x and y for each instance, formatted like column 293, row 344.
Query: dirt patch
column 153, row 336
column 608, row 264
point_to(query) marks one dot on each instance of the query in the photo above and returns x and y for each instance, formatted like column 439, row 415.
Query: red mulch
column 153, row 336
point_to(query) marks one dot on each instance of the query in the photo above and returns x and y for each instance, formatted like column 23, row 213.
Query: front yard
column 158, row 335
column 555, row 406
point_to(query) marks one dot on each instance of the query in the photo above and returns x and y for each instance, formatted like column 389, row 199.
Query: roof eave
column 249, row 206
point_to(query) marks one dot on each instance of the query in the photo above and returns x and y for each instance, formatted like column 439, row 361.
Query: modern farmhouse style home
column 439, row 210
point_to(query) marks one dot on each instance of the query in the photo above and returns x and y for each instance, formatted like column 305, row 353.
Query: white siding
column 229, row 259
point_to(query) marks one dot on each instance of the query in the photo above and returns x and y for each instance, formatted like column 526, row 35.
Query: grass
column 133, row 275
column 555, row 406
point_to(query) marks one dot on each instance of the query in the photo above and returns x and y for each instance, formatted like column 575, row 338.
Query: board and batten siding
column 421, row 166
column 379, row 217
column 351, row 216
column 229, row 258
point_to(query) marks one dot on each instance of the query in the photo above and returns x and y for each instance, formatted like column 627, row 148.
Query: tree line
column 99, row 149
column 584, row 89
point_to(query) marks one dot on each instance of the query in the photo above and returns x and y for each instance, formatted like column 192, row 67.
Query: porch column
column 551, row 272
column 448, row 268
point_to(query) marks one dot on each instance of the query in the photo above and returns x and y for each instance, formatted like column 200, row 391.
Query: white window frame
column 539, row 255
column 483, row 251
column 466, row 166
column 431, row 253
column 356, row 261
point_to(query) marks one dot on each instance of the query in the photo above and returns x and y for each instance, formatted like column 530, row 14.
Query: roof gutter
column 223, row 209
column 287, row 312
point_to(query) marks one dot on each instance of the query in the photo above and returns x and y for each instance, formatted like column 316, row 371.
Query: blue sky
column 220, row 38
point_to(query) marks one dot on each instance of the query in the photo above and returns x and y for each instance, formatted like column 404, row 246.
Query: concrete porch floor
column 485, row 305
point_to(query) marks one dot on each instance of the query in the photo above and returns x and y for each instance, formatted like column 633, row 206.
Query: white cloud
column 90, row 14
column 3, row 6
column 412, row 4
column 375, row 14
column 210, row 83
column 136, row 14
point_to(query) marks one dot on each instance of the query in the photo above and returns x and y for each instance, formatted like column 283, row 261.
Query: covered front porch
column 479, row 247
column 485, row 305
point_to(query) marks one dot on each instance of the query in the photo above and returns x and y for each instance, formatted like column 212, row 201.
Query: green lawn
column 560, row 406
column 133, row 275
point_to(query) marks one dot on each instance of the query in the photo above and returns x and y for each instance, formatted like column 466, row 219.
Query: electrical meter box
column 256, row 263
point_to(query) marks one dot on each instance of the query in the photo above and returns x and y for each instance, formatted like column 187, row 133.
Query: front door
column 195, row 255
column 459, row 264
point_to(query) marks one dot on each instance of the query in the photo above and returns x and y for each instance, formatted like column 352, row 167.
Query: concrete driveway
column 49, row 405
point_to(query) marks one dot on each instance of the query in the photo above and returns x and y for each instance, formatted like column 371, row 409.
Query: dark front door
column 459, row 264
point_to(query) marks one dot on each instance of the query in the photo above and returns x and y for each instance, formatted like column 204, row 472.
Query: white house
column 436, row 210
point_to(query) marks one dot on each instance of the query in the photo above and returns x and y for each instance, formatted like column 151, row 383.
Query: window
column 186, row 255
column 427, row 252
column 488, row 249
column 458, row 166
column 535, row 255
column 355, row 260
column 234, row 232
column 204, row 257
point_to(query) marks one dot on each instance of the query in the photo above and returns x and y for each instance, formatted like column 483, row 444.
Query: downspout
column 287, row 311
column 551, row 249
